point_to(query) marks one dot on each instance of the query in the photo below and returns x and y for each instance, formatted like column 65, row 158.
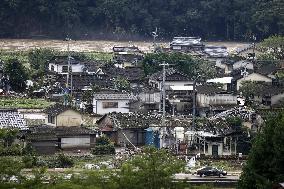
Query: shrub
column 64, row 161
column 13, row 150
column 103, row 146
column 29, row 161
column 103, row 149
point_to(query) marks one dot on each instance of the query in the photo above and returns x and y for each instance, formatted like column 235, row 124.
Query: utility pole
column 253, row 50
column 69, row 65
column 194, row 104
column 164, row 105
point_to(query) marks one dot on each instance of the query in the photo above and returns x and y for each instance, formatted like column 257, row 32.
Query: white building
column 210, row 95
column 60, row 65
column 107, row 102
column 173, row 78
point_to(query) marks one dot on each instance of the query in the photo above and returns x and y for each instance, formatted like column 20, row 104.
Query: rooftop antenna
column 155, row 35
column 253, row 50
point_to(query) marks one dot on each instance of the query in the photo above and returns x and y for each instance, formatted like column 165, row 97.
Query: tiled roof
column 126, row 49
column 269, row 90
column 57, row 109
column 129, row 73
column 10, row 118
column 70, row 131
column 208, row 89
column 64, row 60
column 80, row 81
column 139, row 120
column 267, row 69
column 186, row 41
column 216, row 51
column 171, row 75
column 44, row 132
column 108, row 95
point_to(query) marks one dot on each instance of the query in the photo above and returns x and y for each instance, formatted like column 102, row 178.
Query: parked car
column 211, row 171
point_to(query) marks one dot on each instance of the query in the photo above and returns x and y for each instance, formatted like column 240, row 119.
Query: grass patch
column 24, row 103
column 98, row 56
column 228, row 165
column 22, row 56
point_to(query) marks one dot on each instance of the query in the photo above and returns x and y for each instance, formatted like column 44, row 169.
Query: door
column 214, row 150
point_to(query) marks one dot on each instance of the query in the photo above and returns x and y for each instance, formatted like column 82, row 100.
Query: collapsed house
column 127, row 56
column 11, row 118
column 62, row 131
column 186, row 44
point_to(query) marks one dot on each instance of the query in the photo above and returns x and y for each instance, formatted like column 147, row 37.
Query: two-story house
column 59, row 65
column 186, row 44
column 173, row 78
column 211, row 98
column 111, row 101
column 59, row 115
column 125, row 56
column 62, row 131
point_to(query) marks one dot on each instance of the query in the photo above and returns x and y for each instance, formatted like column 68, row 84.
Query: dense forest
column 209, row 19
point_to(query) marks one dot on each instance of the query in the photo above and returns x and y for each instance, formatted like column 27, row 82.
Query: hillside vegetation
column 210, row 19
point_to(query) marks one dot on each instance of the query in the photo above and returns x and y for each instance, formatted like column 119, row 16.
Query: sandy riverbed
column 91, row 46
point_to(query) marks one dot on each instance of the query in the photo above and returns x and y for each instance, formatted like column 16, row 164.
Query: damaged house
column 211, row 99
column 127, row 56
column 186, row 44
column 62, row 131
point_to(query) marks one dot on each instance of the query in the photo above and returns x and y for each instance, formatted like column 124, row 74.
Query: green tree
column 122, row 84
column 250, row 88
column 8, row 136
column 153, row 169
column 265, row 165
column 184, row 63
column 275, row 46
column 234, row 122
column 9, row 167
column 17, row 74
column 38, row 59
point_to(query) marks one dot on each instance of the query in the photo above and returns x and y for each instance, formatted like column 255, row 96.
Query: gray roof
column 57, row 109
column 171, row 75
column 112, row 96
column 209, row 89
column 186, row 41
column 216, row 51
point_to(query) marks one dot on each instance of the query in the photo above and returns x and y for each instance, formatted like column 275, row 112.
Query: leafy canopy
column 265, row 165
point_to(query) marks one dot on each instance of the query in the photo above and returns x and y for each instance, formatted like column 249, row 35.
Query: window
column 65, row 69
column 51, row 119
column 52, row 68
column 110, row 104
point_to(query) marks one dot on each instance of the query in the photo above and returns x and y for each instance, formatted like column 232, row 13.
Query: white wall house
column 204, row 100
column 150, row 97
column 104, row 103
column 173, row 78
column 254, row 77
column 63, row 68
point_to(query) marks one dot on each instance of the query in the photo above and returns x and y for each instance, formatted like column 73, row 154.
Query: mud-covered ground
column 91, row 46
